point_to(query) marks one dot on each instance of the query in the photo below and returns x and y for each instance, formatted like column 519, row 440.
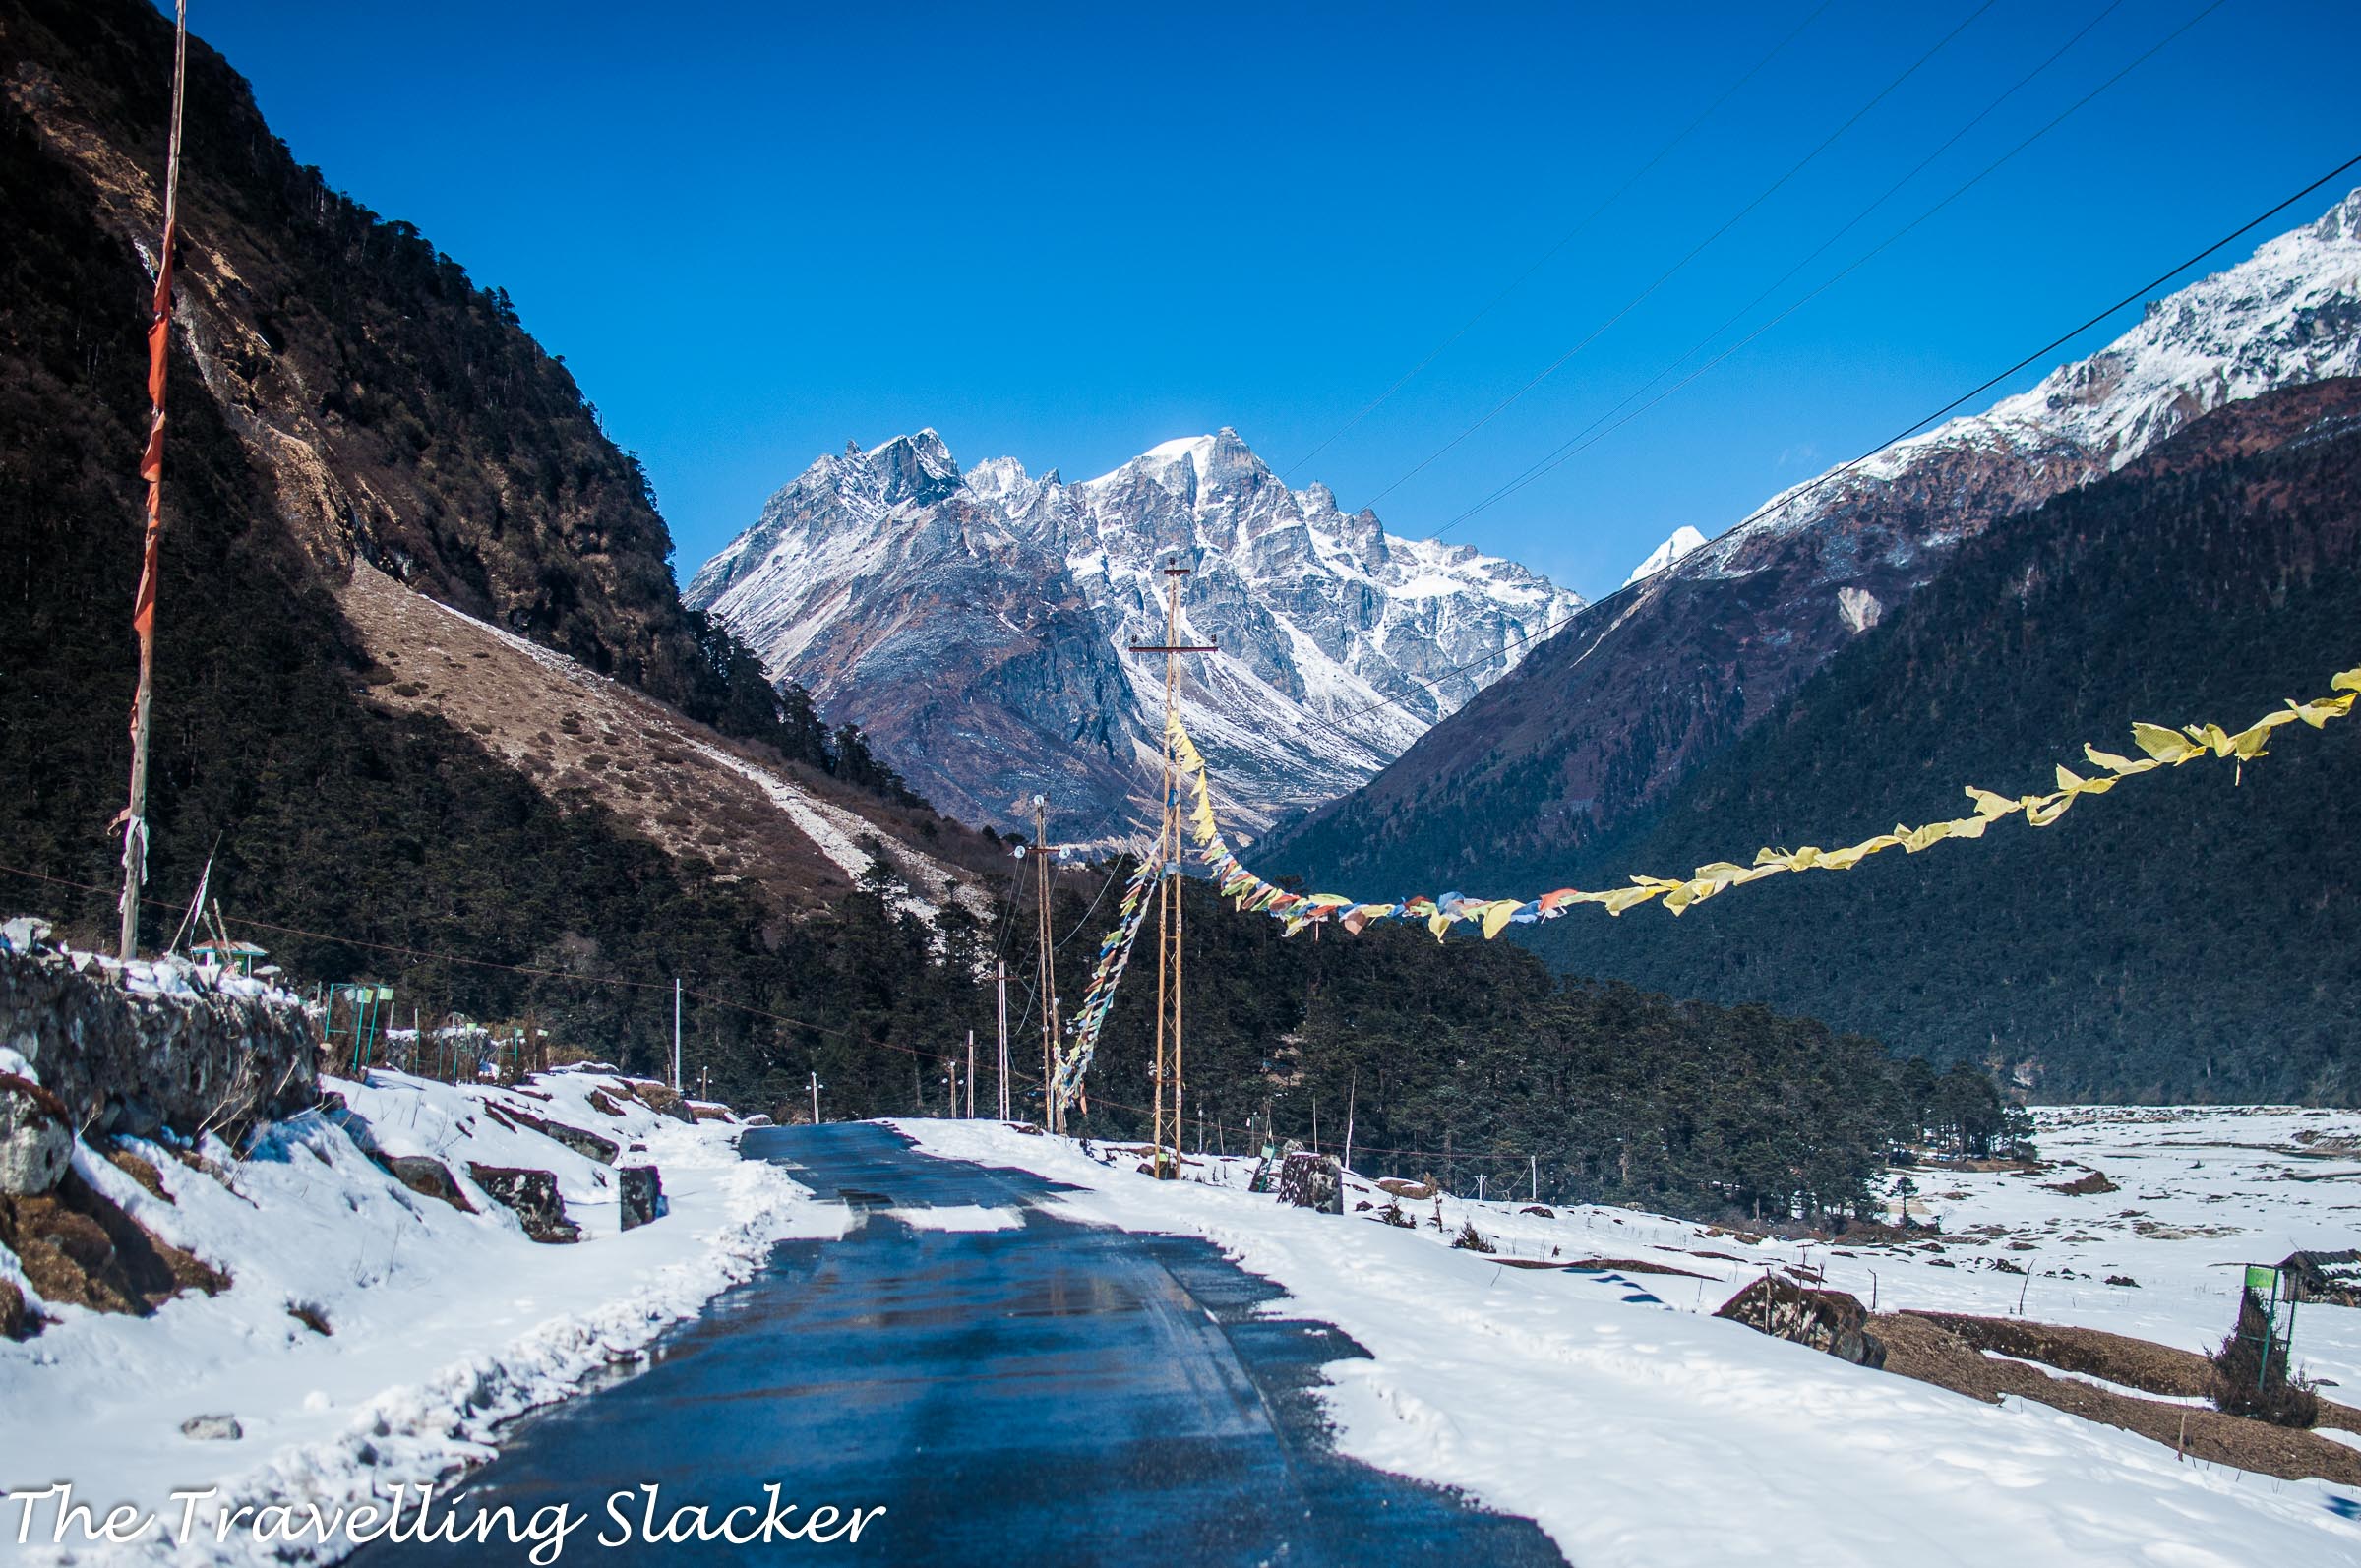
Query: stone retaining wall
column 131, row 1049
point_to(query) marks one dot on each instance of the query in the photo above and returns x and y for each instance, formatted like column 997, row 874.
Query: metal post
column 676, row 1034
column 815, row 1099
column 971, row 1075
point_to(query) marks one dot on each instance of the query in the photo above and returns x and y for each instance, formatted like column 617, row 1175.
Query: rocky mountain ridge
column 979, row 625
column 1543, row 766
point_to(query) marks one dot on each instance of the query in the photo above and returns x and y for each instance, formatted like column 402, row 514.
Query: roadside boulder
column 37, row 1137
column 1830, row 1321
column 589, row 1145
column 428, row 1178
column 78, row 1249
column 642, row 1197
column 1312, row 1181
column 533, row 1195
column 17, row 1320
column 663, row 1100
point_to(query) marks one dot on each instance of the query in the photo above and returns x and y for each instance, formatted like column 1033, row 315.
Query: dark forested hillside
column 392, row 408
column 329, row 812
column 2188, row 936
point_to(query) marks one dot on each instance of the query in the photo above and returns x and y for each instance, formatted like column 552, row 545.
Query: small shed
column 240, row 957
column 2330, row 1279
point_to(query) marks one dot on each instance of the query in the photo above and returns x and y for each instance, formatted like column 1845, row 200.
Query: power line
column 1565, row 240
column 1584, row 439
column 1789, row 497
column 1695, row 250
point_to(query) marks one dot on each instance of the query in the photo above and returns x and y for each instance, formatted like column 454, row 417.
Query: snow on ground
column 443, row 1323
column 1638, row 1429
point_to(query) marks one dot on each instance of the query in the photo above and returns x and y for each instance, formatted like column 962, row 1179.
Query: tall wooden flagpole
column 1047, row 978
column 1169, row 849
column 133, row 820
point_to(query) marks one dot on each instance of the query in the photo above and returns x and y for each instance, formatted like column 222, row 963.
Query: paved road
column 1051, row 1395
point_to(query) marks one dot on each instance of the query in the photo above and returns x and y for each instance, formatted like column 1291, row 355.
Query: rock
column 1535, row 1208
column 150, row 1180
column 604, row 1106
column 78, row 1248
column 642, row 1197
column 1825, row 1320
column 533, row 1195
column 17, row 1320
column 213, row 1428
column 759, row 1120
column 1414, row 1191
column 2123, row 1279
column 25, row 934
column 428, row 1178
column 662, row 1101
column 589, row 1145
column 1311, row 1181
column 37, row 1137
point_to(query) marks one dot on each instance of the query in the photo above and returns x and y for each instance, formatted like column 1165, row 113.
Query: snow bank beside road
column 1636, row 1429
column 441, row 1323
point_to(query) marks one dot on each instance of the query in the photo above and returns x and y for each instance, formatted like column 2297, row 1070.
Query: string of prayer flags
column 2159, row 746
column 1114, row 951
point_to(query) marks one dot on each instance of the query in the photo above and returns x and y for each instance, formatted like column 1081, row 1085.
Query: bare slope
column 800, row 835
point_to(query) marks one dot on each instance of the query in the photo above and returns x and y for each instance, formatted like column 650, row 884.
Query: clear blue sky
column 1069, row 233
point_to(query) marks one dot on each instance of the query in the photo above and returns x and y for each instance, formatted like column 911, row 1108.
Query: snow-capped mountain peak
column 979, row 626
column 1620, row 707
column 1684, row 539
column 2289, row 314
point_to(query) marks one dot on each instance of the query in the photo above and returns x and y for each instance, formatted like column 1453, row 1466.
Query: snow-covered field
column 441, row 1323
column 1638, row 1429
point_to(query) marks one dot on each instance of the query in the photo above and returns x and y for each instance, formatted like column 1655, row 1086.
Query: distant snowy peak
column 1340, row 642
column 1684, row 540
column 2288, row 315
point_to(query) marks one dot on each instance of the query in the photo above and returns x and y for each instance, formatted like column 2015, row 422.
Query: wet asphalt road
column 1052, row 1395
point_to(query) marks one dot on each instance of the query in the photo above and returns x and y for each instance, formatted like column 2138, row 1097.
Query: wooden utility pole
column 1170, row 1057
column 133, row 820
column 1050, row 1118
column 1001, row 985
